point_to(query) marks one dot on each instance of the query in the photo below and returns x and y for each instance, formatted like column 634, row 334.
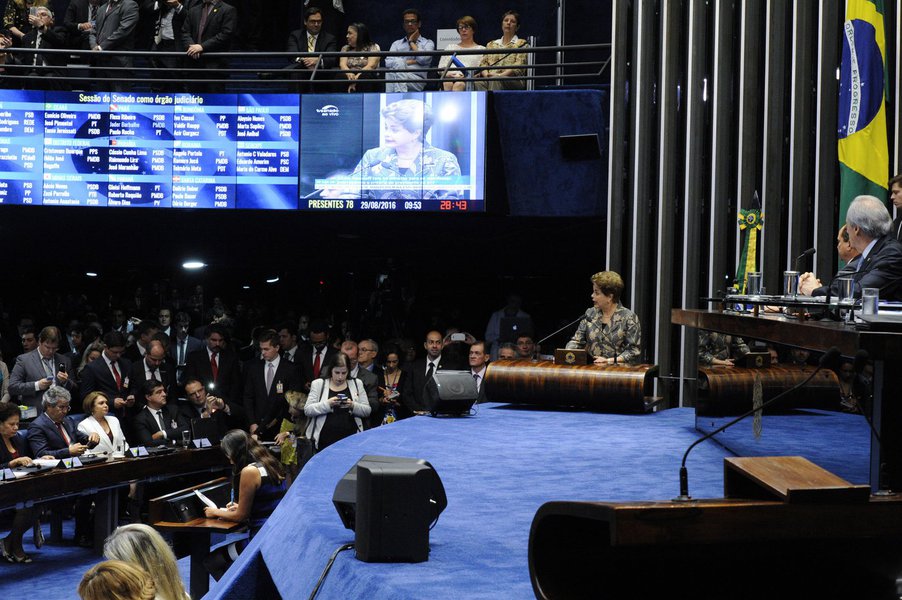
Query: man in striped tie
column 311, row 38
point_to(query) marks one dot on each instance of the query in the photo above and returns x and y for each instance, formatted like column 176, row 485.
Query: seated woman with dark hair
column 258, row 485
column 14, row 453
column 357, row 69
column 610, row 332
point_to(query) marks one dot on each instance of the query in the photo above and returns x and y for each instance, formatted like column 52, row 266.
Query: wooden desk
column 102, row 479
column 613, row 388
column 881, row 345
column 200, row 531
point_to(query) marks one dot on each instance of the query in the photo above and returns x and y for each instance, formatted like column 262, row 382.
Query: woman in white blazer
column 96, row 405
column 336, row 405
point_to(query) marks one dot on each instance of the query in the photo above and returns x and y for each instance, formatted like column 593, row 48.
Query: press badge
column 279, row 388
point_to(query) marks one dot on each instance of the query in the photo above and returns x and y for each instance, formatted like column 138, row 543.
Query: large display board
column 395, row 152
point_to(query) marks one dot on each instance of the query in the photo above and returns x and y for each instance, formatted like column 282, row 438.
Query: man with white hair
column 869, row 226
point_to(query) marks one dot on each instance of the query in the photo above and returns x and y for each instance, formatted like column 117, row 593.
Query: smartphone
column 62, row 368
column 458, row 337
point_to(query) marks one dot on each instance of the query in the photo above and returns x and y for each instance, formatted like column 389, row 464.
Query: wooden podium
column 795, row 530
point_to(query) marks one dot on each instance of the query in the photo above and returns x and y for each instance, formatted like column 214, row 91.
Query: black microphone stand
column 570, row 324
column 831, row 355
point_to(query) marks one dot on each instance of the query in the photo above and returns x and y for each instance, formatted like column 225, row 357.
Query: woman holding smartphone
column 336, row 405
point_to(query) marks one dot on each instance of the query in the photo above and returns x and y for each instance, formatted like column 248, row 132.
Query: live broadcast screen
column 392, row 152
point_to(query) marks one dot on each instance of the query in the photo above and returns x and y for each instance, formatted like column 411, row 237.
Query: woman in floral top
column 509, row 65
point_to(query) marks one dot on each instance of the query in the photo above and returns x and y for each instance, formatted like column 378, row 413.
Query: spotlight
column 193, row 265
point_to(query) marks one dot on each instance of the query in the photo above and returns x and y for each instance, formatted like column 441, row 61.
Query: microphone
column 573, row 322
column 803, row 255
column 830, row 359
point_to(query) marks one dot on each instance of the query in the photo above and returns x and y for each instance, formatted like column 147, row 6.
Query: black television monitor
column 390, row 503
column 400, row 152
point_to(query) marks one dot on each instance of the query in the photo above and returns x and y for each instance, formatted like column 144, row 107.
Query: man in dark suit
column 80, row 14
column 267, row 381
column 311, row 38
column 895, row 194
column 216, row 366
column 479, row 360
column 143, row 332
column 152, row 366
column 870, row 234
column 200, row 405
column 209, row 27
column 116, row 21
column 182, row 344
column 421, row 371
column 45, row 34
column 315, row 354
column 158, row 423
column 109, row 374
column 35, row 371
column 52, row 434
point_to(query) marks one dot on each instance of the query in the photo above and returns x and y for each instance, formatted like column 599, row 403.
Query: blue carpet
column 56, row 569
column 497, row 469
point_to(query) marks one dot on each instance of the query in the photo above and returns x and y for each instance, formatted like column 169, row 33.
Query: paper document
column 205, row 500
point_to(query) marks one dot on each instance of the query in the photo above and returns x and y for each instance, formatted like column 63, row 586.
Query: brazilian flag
column 863, row 147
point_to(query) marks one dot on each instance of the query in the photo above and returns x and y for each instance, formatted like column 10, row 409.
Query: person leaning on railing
column 356, row 69
column 466, row 29
column 510, row 65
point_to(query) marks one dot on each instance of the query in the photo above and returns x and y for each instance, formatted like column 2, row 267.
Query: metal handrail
column 283, row 61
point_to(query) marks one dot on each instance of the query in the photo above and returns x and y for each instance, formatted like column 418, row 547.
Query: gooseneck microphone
column 570, row 324
column 829, row 359
column 803, row 255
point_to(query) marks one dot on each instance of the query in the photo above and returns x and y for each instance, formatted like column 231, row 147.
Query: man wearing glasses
column 35, row 371
column 311, row 38
column 52, row 434
column 409, row 69
column 368, row 350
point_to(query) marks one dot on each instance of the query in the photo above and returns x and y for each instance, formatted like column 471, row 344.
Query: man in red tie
column 216, row 366
column 209, row 27
column 52, row 434
column 109, row 374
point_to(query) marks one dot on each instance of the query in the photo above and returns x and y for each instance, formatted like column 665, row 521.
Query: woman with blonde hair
column 141, row 545
column 116, row 580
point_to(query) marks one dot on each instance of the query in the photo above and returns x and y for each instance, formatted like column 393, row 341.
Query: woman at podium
column 608, row 331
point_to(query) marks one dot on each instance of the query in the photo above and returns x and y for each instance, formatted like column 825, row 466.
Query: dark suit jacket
column 54, row 38
column 218, row 33
column 263, row 407
column 371, row 385
column 304, row 357
column 882, row 268
column 325, row 42
column 145, row 425
column 97, row 376
column 115, row 28
column 28, row 369
column 45, row 439
column 897, row 229
column 227, row 385
column 236, row 419
column 137, row 377
column 133, row 353
column 77, row 11
column 414, row 394
column 21, row 446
